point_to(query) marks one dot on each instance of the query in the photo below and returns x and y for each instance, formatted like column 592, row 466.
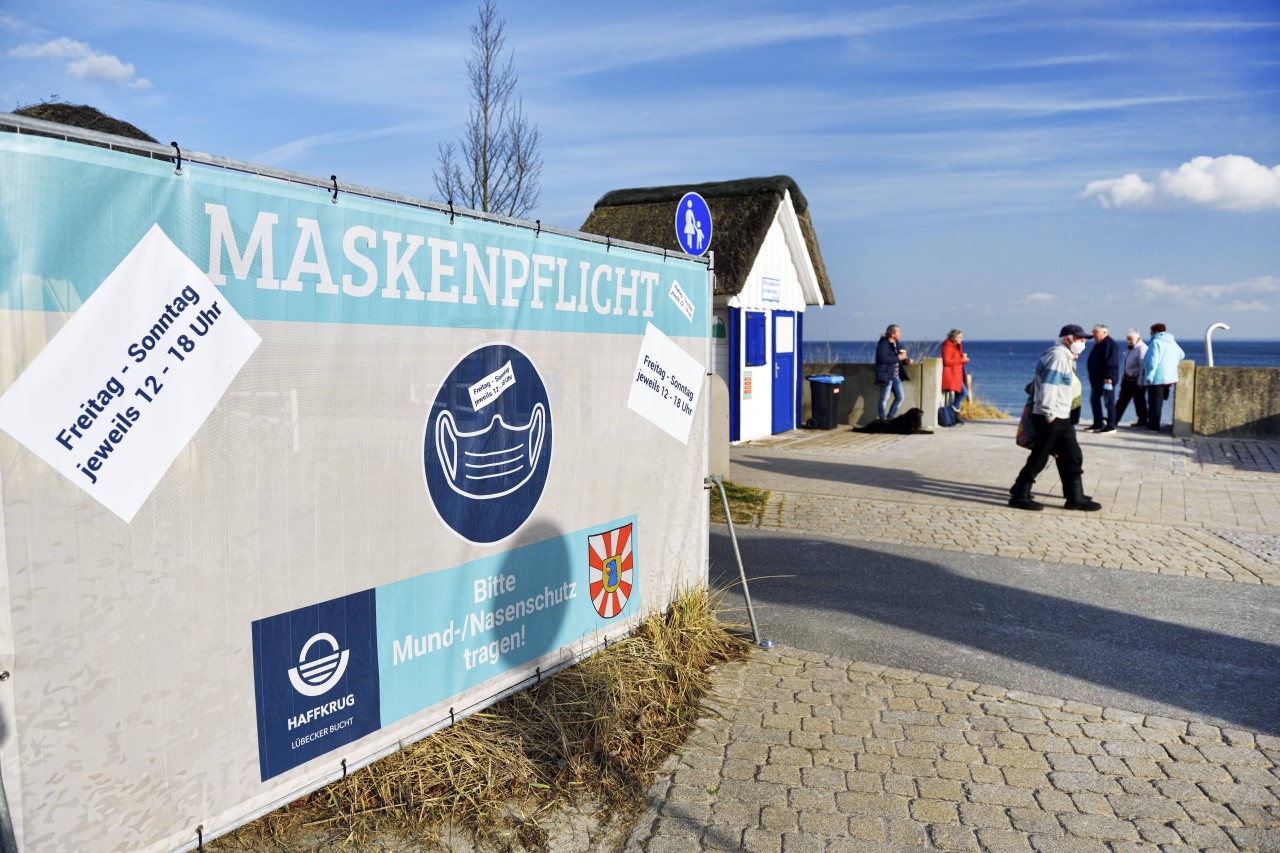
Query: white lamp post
column 1208, row 341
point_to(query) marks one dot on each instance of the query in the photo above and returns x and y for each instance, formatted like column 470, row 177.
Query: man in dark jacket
column 889, row 361
column 1104, row 376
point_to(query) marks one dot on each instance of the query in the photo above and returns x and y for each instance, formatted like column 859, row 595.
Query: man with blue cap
column 1053, row 434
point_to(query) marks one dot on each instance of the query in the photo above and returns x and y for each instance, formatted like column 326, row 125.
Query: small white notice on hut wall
column 681, row 299
column 113, row 399
column 667, row 384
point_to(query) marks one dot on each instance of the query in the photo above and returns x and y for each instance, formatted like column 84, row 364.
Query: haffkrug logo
column 316, row 677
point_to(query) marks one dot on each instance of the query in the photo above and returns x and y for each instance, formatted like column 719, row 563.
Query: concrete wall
column 859, row 398
column 1233, row 402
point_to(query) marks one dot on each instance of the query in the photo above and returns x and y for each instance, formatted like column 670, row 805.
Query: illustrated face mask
column 491, row 462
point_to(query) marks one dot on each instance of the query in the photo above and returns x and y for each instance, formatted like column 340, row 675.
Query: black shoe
column 1084, row 504
column 1026, row 503
column 1107, row 429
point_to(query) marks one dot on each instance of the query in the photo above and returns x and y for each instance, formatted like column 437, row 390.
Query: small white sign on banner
column 491, row 387
column 667, row 384
column 681, row 299
column 113, row 399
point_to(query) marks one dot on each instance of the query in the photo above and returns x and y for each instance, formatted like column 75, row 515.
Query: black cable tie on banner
column 538, row 233
column 451, row 720
column 177, row 170
column 334, row 178
column 450, row 211
column 664, row 256
column 538, row 672
column 200, row 837
column 608, row 242
column 344, row 768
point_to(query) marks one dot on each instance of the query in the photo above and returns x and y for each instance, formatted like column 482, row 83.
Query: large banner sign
column 289, row 478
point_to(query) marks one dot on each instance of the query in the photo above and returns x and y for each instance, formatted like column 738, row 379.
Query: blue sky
column 1005, row 167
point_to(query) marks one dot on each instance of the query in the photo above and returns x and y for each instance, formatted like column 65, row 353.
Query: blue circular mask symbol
column 693, row 224
column 487, row 444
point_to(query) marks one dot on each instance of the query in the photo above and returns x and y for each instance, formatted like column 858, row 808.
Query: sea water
column 1002, row 369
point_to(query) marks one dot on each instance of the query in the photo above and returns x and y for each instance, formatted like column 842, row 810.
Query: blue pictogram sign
column 693, row 224
column 487, row 447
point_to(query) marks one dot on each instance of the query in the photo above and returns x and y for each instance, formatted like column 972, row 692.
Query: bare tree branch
column 497, row 165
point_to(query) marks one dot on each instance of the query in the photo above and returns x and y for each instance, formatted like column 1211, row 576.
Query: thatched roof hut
column 742, row 210
column 83, row 116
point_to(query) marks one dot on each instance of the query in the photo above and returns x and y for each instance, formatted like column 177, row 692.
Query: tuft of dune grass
column 973, row 406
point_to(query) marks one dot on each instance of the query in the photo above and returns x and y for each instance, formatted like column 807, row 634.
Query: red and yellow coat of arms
column 611, row 563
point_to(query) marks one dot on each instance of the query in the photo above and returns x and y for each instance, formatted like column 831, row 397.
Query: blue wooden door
column 784, row 371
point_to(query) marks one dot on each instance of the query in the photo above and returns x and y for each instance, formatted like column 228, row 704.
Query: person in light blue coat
column 1160, row 371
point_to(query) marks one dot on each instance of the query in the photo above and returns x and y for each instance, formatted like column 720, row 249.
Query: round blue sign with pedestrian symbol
column 693, row 224
column 487, row 444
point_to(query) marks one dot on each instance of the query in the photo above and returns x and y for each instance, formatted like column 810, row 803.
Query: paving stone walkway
column 801, row 752
column 1057, row 536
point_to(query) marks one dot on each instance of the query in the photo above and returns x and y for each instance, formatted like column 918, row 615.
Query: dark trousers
column 1131, row 390
column 1156, row 395
column 1053, row 439
column 1103, row 402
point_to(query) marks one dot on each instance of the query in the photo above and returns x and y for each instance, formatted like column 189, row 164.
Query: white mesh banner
column 286, row 480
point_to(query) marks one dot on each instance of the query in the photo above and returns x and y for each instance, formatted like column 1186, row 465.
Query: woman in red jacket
column 953, row 369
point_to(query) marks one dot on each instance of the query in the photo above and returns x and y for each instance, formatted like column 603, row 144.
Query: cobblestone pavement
column 801, row 752
column 807, row 753
column 1057, row 537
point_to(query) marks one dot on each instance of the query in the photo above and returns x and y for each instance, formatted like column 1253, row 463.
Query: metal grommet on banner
column 177, row 169
column 334, row 178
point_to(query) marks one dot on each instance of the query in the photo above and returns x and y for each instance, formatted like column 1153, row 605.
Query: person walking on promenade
column 1104, row 375
column 954, row 362
column 889, row 361
column 1053, row 433
column 1131, row 380
column 1160, row 372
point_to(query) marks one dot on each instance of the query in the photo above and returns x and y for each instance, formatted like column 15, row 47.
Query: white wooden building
column 768, row 272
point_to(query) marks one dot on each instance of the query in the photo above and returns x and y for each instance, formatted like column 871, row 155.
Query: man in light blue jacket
column 1160, row 371
column 1054, row 434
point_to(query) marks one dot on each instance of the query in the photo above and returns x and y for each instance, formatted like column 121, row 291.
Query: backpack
column 946, row 416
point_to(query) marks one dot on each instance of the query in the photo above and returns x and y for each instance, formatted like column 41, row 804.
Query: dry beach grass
column 594, row 733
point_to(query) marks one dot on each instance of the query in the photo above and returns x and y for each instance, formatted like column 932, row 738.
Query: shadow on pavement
column 892, row 479
column 1094, row 625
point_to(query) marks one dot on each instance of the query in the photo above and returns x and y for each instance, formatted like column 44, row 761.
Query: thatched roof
column 85, row 116
column 741, row 210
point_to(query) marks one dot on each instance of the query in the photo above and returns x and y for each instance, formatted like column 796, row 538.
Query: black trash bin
column 824, row 390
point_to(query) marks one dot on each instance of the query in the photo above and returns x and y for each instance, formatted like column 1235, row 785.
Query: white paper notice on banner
column 491, row 387
column 681, row 299
column 667, row 384
column 113, row 399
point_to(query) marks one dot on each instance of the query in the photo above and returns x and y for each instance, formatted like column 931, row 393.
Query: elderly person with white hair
column 1104, row 376
column 1131, row 380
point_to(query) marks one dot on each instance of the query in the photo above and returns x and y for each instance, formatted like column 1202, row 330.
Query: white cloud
column 1039, row 298
column 84, row 62
column 1238, row 296
column 1231, row 182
